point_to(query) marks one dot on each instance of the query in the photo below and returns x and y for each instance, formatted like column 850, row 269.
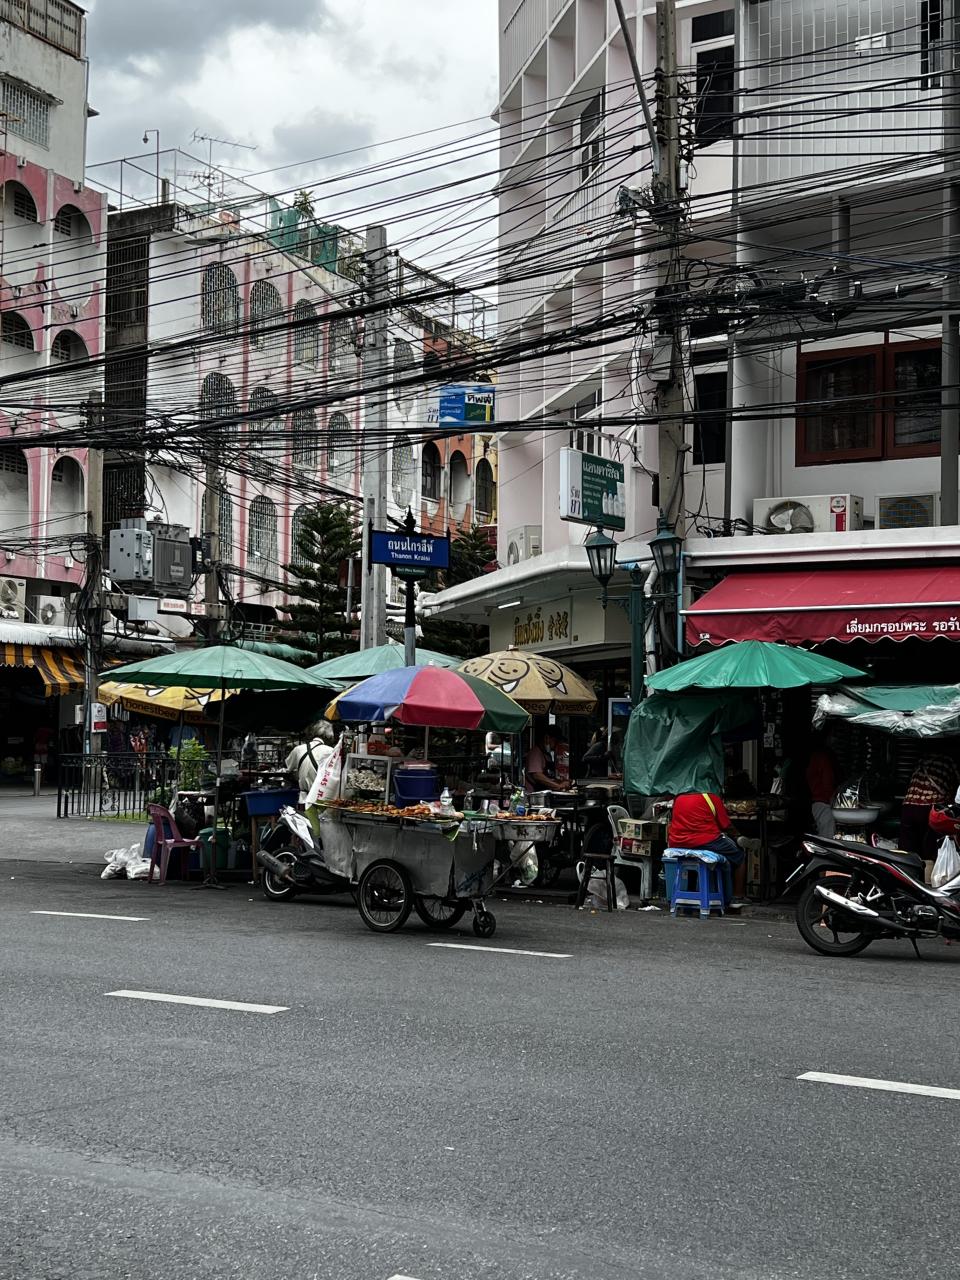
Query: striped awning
column 61, row 670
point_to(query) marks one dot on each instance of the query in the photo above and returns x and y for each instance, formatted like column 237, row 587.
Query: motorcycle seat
column 912, row 863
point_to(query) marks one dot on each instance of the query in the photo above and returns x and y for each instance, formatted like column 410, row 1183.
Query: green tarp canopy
column 752, row 664
column 911, row 710
column 674, row 744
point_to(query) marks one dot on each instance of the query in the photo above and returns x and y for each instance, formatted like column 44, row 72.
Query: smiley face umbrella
column 540, row 684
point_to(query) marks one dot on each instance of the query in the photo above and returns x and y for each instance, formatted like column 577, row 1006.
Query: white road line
column 239, row 1005
column 87, row 915
column 399, row 1277
column 504, row 951
column 885, row 1086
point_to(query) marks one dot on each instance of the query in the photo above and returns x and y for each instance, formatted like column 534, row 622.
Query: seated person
column 700, row 821
column 539, row 769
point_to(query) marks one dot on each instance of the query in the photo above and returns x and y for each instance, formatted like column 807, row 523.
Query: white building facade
column 814, row 261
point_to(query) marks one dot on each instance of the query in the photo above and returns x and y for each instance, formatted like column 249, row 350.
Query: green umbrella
column 350, row 667
column 220, row 667
column 752, row 664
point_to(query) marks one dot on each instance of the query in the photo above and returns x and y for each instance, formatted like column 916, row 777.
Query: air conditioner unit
column 523, row 543
column 21, row 162
column 810, row 513
column 908, row 510
column 50, row 610
column 13, row 599
column 78, row 187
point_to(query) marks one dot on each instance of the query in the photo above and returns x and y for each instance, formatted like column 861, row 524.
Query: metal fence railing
column 112, row 785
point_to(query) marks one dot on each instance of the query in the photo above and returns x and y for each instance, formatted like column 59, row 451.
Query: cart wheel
column 384, row 896
column 436, row 913
column 275, row 889
column 484, row 924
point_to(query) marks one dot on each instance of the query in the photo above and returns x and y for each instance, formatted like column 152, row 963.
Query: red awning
column 809, row 606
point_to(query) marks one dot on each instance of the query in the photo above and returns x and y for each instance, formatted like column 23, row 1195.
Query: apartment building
column 52, row 267
column 812, row 134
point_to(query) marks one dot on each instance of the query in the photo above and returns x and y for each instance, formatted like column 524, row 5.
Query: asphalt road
column 630, row 1110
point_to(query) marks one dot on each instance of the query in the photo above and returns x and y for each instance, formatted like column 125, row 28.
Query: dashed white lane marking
column 238, row 1005
column 87, row 915
column 504, row 951
column 885, row 1086
column 399, row 1277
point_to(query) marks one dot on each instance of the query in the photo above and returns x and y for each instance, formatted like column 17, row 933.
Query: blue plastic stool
column 698, row 884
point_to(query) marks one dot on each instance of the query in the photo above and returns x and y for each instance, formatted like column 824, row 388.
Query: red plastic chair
column 168, row 838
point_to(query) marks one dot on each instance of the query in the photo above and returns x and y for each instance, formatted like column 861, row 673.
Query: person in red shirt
column 821, row 783
column 700, row 821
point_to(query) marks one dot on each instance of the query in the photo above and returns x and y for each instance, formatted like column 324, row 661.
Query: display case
column 367, row 777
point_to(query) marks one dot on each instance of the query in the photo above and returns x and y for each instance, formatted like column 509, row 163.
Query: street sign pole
column 410, row 605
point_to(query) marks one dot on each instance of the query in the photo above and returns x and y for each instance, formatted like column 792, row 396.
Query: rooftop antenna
column 209, row 179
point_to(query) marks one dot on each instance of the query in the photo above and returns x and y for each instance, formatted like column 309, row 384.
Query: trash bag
column 947, row 864
column 597, row 889
column 128, row 862
column 527, row 866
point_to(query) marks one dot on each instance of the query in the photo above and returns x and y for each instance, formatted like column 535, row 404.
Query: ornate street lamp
column 665, row 548
column 602, row 554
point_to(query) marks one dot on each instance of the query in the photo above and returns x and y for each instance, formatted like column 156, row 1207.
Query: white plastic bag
column 947, row 864
column 128, row 862
column 326, row 784
column 597, row 888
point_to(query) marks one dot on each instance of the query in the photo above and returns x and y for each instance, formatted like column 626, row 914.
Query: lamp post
column 146, row 139
column 665, row 547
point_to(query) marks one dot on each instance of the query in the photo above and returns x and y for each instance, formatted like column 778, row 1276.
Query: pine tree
column 326, row 538
column 470, row 555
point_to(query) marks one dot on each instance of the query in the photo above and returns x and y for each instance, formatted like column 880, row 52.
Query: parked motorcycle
column 293, row 862
column 853, row 894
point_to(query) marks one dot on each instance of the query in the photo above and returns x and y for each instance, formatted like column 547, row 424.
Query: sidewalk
column 30, row 831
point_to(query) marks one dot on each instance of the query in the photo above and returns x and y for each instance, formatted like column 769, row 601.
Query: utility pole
column 950, row 340
column 410, row 603
column 373, row 610
column 94, row 618
column 211, row 541
column 672, row 221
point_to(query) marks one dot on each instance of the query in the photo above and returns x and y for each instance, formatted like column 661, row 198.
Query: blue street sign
column 420, row 551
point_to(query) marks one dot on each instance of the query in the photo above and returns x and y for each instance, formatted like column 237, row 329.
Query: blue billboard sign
column 406, row 551
column 474, row 403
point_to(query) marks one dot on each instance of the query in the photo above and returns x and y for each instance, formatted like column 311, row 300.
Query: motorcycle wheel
column 384, row 896
column 437, row 914
column 818, row 925
column 274, row 889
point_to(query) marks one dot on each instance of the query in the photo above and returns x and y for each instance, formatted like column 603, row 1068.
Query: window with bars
column 403, row 362
column 71, row 222
column 431, row 472
column 298, row 556
column 303, row 426
column 66, row 347
column 264, row 424
column 13, row 460
column 219, row 299
column 403, row 471
column 266, row 310
column 218, row 401
column 58, row 22
column 15, row 332
column 26, row 114
column 128, row 262
column 869, row 403
column 341, row 452
column 22, row 202
column 306, row 337
column 931, row 42
column 225, row 505
column 262, row 536
column 342, row 350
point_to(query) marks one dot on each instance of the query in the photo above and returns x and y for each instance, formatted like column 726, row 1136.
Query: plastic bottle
column 446, row 801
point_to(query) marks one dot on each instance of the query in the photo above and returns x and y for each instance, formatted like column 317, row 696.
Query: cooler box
column 415, row 786
column 263, row 804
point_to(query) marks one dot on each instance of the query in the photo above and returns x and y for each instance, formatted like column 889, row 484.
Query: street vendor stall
column 676, row 738
column 423, row 855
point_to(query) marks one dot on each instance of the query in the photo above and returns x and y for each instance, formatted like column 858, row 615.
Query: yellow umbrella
column 540, row 684
column 166, row 703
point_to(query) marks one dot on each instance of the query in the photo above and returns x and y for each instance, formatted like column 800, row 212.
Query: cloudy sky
column 303, row 80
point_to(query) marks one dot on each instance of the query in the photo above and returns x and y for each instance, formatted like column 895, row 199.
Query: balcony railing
column 58, row 22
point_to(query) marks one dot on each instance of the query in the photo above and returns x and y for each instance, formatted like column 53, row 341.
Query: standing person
column 821, row 783
column 700, row 821
column 539, row 771
column 934, row 781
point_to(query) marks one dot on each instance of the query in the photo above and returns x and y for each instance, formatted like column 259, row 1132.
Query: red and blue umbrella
column 433, row 697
